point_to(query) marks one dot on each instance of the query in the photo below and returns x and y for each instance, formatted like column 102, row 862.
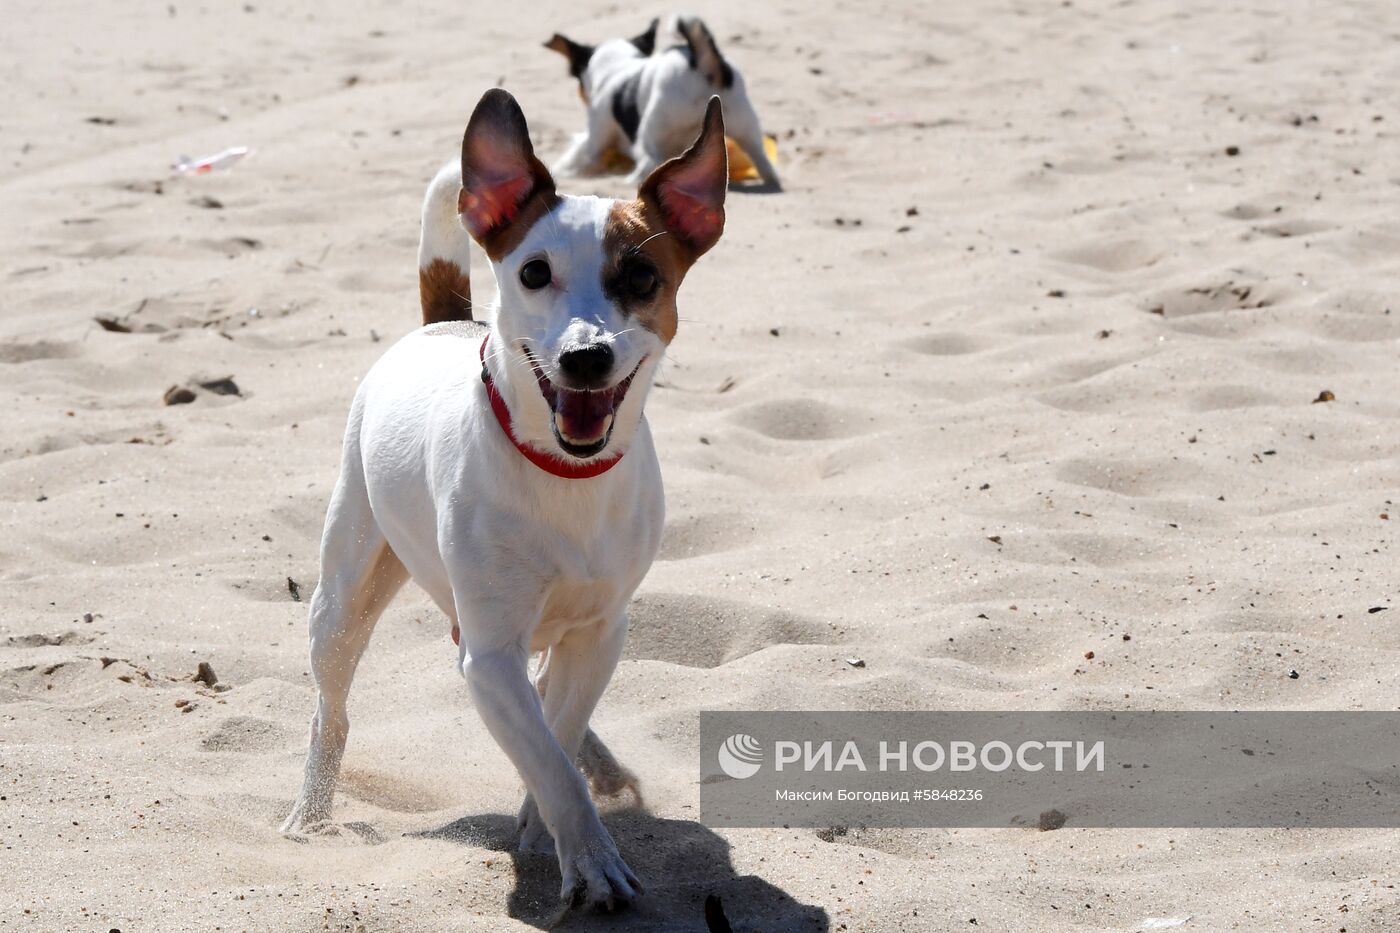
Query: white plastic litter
column 214, row 163
column 1163, row 923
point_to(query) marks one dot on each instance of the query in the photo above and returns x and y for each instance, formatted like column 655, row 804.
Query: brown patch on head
column 677, row 216
column 446, row 292
column 636, row 235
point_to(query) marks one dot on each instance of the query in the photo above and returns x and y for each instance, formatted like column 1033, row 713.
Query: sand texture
column 1021, row 365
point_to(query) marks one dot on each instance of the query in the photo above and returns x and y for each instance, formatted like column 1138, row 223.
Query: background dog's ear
column 500, row 173
column 688, row 191
column 646, row 42
column 578, row 55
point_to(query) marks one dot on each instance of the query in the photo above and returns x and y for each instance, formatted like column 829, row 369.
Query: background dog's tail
column 704, row 54
column 444, row 252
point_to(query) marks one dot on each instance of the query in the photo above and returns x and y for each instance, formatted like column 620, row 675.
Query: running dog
column 649, row 104
column 511, row 473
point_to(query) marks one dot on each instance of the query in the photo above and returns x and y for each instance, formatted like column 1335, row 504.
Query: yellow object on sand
column 616, row 162
column 740, row 168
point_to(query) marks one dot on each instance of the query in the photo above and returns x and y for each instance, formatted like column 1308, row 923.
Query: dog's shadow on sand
column 680, row 863
column 754, row 187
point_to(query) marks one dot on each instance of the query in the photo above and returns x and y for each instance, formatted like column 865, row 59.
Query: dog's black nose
column 587, row 366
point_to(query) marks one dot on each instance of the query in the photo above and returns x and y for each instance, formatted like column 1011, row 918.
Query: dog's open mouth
column 583, row 420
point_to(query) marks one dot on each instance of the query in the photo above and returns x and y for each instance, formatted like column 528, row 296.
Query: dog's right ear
column 688, row 191
column 578, row 55
column 646, row 41
column 501, row 177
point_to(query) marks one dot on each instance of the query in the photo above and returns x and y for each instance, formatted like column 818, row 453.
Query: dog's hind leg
column 583, row 157
column 585, row 154
column 741, row 124
column 359, row 575
column 607, row 777
column 645, row 156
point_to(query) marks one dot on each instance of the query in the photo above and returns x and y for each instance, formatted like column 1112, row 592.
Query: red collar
column 557, row 466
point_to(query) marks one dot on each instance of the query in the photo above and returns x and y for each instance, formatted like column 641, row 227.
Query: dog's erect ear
column 688, row 191
column 578, row 55
column 646, row 42
column 500, row 174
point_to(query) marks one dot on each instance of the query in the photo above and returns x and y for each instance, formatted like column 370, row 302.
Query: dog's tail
column 704, row 54
column 444, row 253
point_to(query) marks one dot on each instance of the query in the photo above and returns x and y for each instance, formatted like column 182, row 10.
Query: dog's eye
column 535, row 274
column 640, row 280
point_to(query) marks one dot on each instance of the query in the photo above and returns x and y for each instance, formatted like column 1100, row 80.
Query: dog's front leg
column 578, row 671
column 592, row 870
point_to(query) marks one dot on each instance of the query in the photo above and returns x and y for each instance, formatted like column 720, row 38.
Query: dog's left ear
column 646, row 42
column 578, row 55
column 688, row 191
column 500, row 173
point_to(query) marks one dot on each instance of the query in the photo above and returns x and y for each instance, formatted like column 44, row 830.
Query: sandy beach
column 1024, row 364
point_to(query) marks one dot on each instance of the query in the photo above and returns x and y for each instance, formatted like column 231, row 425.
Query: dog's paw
column 292, row 826
column 534, row 836
column 305, row 819
column 595, row 876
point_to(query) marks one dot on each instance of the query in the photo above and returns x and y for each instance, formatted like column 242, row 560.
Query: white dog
column 649, row 104
column 510, row 472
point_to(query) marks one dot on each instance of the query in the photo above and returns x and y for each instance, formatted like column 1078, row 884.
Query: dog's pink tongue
column 583, row 416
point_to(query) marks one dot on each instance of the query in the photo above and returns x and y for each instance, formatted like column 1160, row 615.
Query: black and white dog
column 649, row 104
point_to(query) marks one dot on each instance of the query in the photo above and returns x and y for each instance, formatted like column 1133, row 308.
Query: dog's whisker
column 497, row 355
column 466, row 302
column 554, row 225
column 636, row 249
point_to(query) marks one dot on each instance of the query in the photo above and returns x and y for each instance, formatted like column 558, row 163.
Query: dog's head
column 583, row 57
column 587, row 285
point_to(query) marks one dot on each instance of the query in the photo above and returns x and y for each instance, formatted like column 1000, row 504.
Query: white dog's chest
column 590, row 578
column 572, row 603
